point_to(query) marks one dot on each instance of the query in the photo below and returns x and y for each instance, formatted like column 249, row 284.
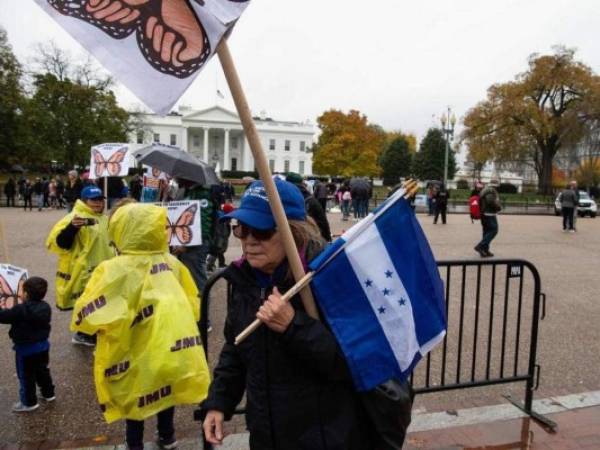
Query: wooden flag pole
column 411, row 188
column 285, row 297
column 262, row 166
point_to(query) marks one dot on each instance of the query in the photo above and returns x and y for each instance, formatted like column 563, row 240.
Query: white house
column 215, row 135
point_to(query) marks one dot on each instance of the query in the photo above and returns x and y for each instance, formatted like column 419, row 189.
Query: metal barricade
column 493, row 307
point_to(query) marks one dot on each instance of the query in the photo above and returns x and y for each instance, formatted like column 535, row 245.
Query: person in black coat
column 299, row 392
column 10, row 190
column 313, row 206
column 72, row 189
column 441, row 196
column 29, row 331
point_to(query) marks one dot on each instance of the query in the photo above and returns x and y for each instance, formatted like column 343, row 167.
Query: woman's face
column 264, row 255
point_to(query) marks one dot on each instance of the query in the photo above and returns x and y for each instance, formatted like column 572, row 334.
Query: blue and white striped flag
column 380, row 290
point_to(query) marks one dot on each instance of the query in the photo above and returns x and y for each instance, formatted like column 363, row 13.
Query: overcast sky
column 400, row 63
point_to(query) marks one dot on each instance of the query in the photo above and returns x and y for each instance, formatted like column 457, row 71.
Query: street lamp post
column 450, row 120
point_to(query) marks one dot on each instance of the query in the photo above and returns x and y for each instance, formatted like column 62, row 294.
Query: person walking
column 80, row 239
column 29, row 331
column 489, row 204
column 568, row 203
column 10, row 190
column 441, row 196
column 60, row 192
column 575, row 210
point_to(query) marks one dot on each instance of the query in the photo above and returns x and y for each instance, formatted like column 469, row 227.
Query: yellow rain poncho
column 144, row 307
column 75, row 266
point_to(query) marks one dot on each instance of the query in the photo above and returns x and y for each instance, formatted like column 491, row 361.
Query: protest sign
column 12, row 279
column 184, row 226
column 110, row 160
column 155, row 48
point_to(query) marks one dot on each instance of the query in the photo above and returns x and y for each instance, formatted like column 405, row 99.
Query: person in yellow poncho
column 80, row 239
column 144, row 307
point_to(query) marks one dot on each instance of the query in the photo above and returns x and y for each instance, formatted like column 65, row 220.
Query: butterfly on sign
column 8, row 297
column 112, row 165
column 182, row 228
column 169, row 35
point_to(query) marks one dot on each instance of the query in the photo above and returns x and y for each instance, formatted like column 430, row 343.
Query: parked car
column 586, row 207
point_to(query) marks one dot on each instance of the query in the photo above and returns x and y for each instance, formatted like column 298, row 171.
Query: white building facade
column 215, row 135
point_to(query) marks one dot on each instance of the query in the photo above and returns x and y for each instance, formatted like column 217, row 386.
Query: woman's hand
column 213, row 427
column 276, row 313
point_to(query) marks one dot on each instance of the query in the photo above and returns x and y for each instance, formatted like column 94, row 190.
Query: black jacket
column 30, row 321
column 315, row 211
column 73, row 192
column 299, row 394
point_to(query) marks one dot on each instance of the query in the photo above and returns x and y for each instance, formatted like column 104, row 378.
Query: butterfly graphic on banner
column 169, row 35
column 112, row 165
column 182, row 226
column 9, row 298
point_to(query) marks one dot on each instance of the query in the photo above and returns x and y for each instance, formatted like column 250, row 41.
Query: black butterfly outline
column 182, row 226
column 9, row 298
column 120, row 18
column 112, row 165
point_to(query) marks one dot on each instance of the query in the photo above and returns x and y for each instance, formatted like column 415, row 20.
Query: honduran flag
column 380, row 291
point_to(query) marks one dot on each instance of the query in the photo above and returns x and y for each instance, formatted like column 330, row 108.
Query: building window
column 272, row 165
column 140, row 137
column 234, row 142
column 302, row 146
column 196, row 141
column 233, row 163
column 286, row 166
column 271, row 144
column 156, row 137
column 287, row 146
column 301, row 167
column 173, row 139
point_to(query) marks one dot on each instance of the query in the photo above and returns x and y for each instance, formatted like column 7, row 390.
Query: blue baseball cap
column 255, row 210
column 91, row 192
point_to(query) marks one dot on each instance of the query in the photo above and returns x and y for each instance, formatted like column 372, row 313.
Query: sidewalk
column 498, row 427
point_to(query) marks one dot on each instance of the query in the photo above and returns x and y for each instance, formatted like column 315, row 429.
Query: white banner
column 184, row 227
column 11, row 285
column 154, row 47
column 110, row 160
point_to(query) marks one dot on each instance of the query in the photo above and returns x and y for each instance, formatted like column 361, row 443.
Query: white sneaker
column 48, row 399
column 20, row 407
column 77, row 339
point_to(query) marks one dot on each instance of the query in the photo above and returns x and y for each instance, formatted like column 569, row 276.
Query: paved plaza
column 569, row 344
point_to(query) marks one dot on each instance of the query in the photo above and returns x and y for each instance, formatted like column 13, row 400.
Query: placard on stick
column 110, row 160
column 184, row 227
column 12, row 279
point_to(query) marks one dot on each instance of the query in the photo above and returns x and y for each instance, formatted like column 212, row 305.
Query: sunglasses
column 242, row 231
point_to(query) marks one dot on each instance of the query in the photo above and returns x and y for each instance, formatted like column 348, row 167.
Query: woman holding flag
column 298, row 388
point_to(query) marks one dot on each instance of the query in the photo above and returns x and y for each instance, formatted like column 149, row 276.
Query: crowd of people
column 120, row 280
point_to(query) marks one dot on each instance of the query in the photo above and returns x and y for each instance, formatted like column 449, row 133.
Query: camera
column 89, row 222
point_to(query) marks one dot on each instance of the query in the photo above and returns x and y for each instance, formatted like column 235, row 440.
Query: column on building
column 226, row 162
column 205, row 146
column 184, row 139
column 247, row 157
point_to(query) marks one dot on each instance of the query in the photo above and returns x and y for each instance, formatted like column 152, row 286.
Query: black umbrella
column 177, row 163
column 17, row 168
column 360, row 183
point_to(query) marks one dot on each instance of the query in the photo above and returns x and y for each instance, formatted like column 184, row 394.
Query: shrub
column 507, row 188
column 462, row 184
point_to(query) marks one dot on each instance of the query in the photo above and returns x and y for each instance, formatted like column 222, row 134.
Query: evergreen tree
column 428, row 163
column 396, row 161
